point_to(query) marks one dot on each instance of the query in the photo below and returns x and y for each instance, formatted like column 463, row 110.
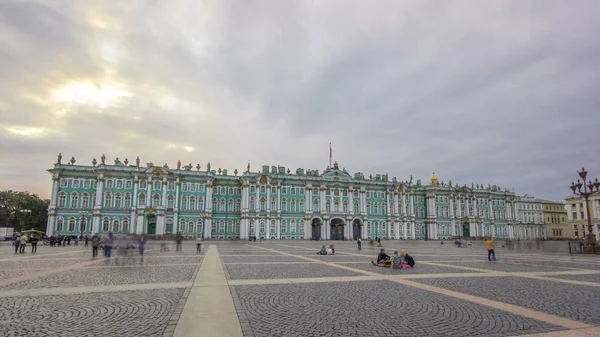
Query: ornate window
column 292, row 190
column 201, row 203
column 222, row 206
column 336, row 206
column 345, row 206
column 143, row 184
column 71, row 225
column 119, row 183
column 193, row 206
column 128, row 184
column 63, row 183
column 156, row 200
column 263, row 227
column 293, row 206
column 273, row 227
column 252, row 189
column 316, row 191
column 184, row 203
column 301, row 228
column 316, row 205
column 293, row 227
column 109, row 183
column 170, row 202
column 328, row 206
column 115, row 226
column 375, row 209
column 181, row 225
column 283, row 190
column 105, row 225
column 127, row 200
column 252, row 204
column 86, row 184
column 284, row 205
column 230, row 227
column 263, row 204
column 356, row 207
column 85, row 201
column 171, row 186
column 193, row 187
column 214, row 205
column 355, row 193
column 263, row 189
column 273, row 204
column 190, row 227
column 328, row 192
column 283, row 227
column 221, row 226
column 229, row 205
column 238, row 204
column 199, row 226
column 125, row 223
column 59, row 225
column 118, row 200
column 301, row 205
column 157, row 184
column 142, row 200
column 369, row 211
column 74, row 200
column 252, row 229
column 213, row 228
column 75, row 183
column 231, row 191
column 108, row 200
column 336, row 192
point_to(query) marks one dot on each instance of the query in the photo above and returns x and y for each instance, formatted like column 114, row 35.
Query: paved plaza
column 284, row 289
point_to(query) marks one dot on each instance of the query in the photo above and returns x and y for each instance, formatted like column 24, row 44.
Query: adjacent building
column 530, row 216
column 275, row 203
column 577, row 215
column 555, row 219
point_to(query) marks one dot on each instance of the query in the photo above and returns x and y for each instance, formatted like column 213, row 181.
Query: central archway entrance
column 337, row 229
column 151, row 224
column 316, row 228
column 357, row 229
column 466, row 229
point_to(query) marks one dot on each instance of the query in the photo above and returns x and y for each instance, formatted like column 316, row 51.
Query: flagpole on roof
column 330, row 154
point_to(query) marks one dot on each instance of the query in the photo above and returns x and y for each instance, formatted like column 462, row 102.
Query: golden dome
column 434, row 179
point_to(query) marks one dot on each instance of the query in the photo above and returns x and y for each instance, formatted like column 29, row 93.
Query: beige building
column 577, row 214
column 555, row 219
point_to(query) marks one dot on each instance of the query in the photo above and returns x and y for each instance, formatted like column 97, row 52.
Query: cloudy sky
column 501, row 92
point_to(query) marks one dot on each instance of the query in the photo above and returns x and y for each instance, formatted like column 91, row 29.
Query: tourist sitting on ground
column 397, row 261
column 409, row 262
column 331, row 250
column 383, row 260
column 323, row 251
column 457, row 243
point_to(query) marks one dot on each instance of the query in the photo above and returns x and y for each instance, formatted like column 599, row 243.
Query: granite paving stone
column 418, row 269
column 266, row 259
column 560, row 299
column 505, row 267
column 376, row 308
column 586, row 278
column 248, row 272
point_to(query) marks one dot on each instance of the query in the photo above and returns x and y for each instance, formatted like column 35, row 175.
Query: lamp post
column 83, row 222
column 25, row 213
column 588, row 189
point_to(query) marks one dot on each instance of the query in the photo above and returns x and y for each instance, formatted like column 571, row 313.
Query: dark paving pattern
column 560, row 299
column 108, row 276
column 418, row 269
column 249, row 272
column 127, row 313
column 266, row 259
column 505, row 267
column 586, row 278
column 364, row 309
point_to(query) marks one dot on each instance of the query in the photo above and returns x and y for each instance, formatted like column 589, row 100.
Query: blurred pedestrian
column 199, row 244
column 95, row 245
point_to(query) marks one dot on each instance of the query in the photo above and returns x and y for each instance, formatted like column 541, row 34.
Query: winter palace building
column 274, row 203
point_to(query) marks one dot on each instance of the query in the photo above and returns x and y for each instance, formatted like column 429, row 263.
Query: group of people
column 326, row 250
column 21, row 241
column 397, row 261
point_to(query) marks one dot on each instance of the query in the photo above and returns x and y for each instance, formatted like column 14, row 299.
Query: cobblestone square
column 266, row 271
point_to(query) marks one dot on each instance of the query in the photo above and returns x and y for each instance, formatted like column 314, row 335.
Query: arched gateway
column 337, row 229
column 316, row 224
column 357, row 229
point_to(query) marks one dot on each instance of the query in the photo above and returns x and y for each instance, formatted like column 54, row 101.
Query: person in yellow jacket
column 489, row 244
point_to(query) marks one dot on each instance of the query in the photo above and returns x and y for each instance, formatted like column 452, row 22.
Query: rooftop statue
column 72, row 160
column 59, row 158
column 248, row 167
column 198, row 167
column 137, row 162
column 208, row 167
column 179, row 165
column 118, row 162
column 126, row 162
column 94, row 162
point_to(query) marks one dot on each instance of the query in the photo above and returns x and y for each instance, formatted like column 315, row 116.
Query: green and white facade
column 271, row 204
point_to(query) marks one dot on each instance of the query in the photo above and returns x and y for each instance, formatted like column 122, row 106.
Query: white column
column 413, row 232
column 389, row 229
column 307, row 230
column 97, row 206
column 405, row 229
column 139, row 223
column 207, row 227
column 54, row 195
column 268, row 187
column 395, row 207
column 322, row 199
column 412, row 206
column 268, row 229
column 404, row 206
column 149, row 198
column 278, row 231
column 163, row 199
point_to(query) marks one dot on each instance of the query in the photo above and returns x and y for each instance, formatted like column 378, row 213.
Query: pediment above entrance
column 157, row 170
column 335, row 173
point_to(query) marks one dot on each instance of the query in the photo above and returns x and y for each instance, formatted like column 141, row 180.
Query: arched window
column 199, row 226
column 62, row 200
column 181, row 225
column 191, row 227
column 328, row 206
column 273, row 204
column 293, row 227
column 238, row 203
column 375, row 209
column 184, row 203
column 230, row 205
column 127, row 200
column 170, row 202
column 293, row 206
column 201, row 203
column 222, row 205
column 214, row 205
column 336, row 206
column 143, row 184
column 263, row 204
column 157, row 185
column 345, row 206
column 213, row 228
column 192, row 203
column 71, row 224
column 156, row 200
column 273, row 227
column 221, row 226
column 230, row 227
column 283, row 227
column 252, row 229
column 316, row 205
column 125, row 223
column 108, row 200
column 252, row 204
column 115, row 226
column 105, row 225
column 85, row 200
column 369, row 210
column 74, row 200
column 59, row 224
column 356, row 207
column 118, row 200
column 263, row 227
column 284, row 205
column 301, row 205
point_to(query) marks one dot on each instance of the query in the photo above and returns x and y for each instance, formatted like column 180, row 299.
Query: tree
column 12, row 203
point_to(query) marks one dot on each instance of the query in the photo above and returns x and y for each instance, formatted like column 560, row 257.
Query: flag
column 330, row 151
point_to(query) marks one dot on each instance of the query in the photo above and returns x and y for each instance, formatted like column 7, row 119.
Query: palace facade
column 273, row 203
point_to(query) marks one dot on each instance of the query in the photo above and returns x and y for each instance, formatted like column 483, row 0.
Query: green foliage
column 12, row 203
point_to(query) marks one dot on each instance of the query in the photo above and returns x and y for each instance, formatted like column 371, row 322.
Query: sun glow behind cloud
column 27, row 131
column 87, row 93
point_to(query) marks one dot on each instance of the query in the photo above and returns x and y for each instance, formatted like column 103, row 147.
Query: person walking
column 359, row 243
column 17, row 243
column 198, row 244
column 86, row 240
column 489, row 244
column 23, row 243
column 95, row 245
column 179, row 238
column 108, row 241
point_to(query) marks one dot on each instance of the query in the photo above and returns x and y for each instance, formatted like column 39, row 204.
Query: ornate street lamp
column 25, row 212
column 83, row 222
column 588, row 189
